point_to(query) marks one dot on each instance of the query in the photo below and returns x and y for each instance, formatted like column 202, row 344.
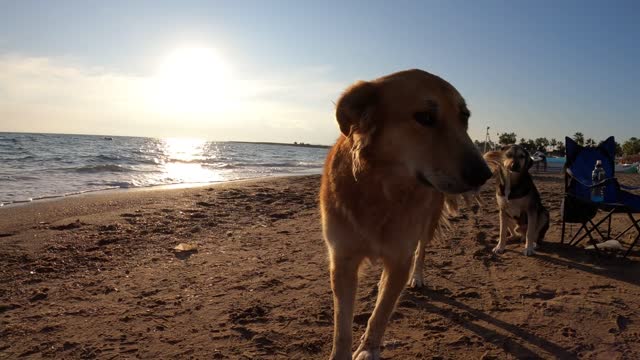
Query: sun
column 192, row 80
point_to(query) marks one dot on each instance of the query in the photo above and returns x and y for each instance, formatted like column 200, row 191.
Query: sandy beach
column 97, row 276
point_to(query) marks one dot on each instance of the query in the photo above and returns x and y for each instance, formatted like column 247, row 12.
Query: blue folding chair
column 577, row 206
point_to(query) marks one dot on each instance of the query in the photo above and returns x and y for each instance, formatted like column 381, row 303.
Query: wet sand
column 96, row 276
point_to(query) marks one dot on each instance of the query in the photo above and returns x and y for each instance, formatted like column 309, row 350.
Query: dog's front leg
column 344, row 283
column 394, row 279
column 532, row 225
column 502, row 242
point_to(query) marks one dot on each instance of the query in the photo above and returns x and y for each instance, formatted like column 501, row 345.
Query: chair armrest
column 589, row 184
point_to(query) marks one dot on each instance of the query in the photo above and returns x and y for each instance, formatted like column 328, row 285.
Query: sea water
column 37, row 166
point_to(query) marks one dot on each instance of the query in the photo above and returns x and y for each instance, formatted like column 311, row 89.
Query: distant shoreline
column 155, row 137
column 280, row 144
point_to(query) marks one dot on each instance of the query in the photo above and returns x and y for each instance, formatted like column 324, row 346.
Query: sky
column 272, row 70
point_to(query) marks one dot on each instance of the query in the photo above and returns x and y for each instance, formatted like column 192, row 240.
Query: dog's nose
column 476, row 173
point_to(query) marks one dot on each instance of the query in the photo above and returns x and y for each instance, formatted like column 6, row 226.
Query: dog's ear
column 356, row 107
column 528, row 162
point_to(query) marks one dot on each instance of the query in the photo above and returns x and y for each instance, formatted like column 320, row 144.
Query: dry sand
column 96, row 277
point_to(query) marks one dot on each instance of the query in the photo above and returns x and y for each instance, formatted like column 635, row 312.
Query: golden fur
column 404, row 144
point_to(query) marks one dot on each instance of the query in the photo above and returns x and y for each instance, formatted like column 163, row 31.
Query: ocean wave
column 104, row 157
column 64, row 164
column 115, row 184
column 10, row 178
column 285, row 164
column 123, row 159
column 15, row 158
column 101, row 168
column 182, row 161
column 220, row 165
column 267, row 165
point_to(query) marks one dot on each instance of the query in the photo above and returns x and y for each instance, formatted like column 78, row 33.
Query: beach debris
column 184, row 247
column 607, row 245
column 184, row 251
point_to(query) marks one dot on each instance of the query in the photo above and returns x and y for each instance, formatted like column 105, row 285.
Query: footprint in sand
column 74, row 225
column 205, row 204
column 252, row 314
column 130, row 215
column 568, row 332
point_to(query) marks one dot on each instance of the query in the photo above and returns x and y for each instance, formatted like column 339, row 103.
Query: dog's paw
column 529, row 251
column 514, row 237
column 498, row 250
column 417, row 281
column 340, row 357
column 366, row 354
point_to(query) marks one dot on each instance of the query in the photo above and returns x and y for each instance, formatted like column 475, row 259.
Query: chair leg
column 632, row 245
column 597, row 229
column 634, row 223
column 609, row 229
column 564, row 224
column 624, row 232
column 574, row 240
column 594, row 227
column 594, row 243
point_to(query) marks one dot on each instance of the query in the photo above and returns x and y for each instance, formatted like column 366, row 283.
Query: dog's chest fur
column 512, row 207
column 513, row 201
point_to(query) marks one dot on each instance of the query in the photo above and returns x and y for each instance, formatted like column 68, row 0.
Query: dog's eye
column 425, row 118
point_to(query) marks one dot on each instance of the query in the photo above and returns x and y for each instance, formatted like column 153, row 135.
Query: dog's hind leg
column 417, row 280
column 430, row 227
column 344, row 283
column 532, row 232
column 394, row 278
column 543, row 226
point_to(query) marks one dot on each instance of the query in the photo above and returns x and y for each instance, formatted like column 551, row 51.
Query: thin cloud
column 40, row 94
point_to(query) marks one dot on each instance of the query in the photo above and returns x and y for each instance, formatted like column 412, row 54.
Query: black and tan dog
column 522, row 213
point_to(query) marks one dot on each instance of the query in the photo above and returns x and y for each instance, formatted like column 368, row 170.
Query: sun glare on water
column 185, row 158
column 192, row 80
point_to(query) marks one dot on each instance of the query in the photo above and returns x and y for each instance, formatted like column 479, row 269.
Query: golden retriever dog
column 403, row 146
column 522, row 213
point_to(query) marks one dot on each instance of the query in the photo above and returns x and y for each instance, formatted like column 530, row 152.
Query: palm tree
column 579, row 138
